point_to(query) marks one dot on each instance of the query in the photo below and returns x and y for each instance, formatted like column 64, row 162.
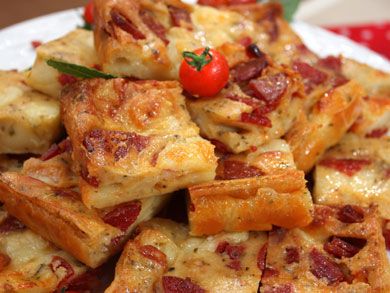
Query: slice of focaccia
column 29, row 120
column 75, row 47
column 253, row 191
column 164, row 258
column 145, row 39
column 356, row 171
column 90, row 235
column 260, row 104
column 133, row 140
column 254, row 203
column 327, row 122
column 28, row 263
column 342, row 250
column 265, row 160
column 374, row 81
column 374, row 121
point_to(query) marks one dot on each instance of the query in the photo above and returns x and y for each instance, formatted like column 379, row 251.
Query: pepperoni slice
column 331, row 62
column 85, row 282
column 344, row 247
column 65, row 79
column 269, row 89
column 323, row 267
column 126, row 25
column 312, row 76
column 292, row 255
column 377, row 133
column 4, row 261
column 58, row 263
column 178, row 285
column 153, row 254
column 220, row 147
column 178, row 15
column 57, row 149
column 11, row 224
column 347, row 166
column 284, row 288
column 247, row 70
column 256, row 117
column 261, row 257
column 221, row 247
column 236, row 169
column 234, row 265
column 157, row 28
column 91, row 180
column 118, row 143
column 234, row 251
column 123, row 215
column 270, row 272
column 351, row 214
column 255, row 103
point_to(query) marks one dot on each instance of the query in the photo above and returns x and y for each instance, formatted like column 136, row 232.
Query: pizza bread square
column 45, row 197
column 75, row 47
column 163, row 256
column 133, row 140
column 29, row 263
column 355, row 171
column 342, row 250
column 29, row 120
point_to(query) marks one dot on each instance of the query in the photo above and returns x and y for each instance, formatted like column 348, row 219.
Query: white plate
column 16, row 51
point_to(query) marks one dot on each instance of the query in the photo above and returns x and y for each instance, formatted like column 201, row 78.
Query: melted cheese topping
column 369, row 185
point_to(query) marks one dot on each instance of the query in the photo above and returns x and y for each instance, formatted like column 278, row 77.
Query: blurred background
column 367, row 22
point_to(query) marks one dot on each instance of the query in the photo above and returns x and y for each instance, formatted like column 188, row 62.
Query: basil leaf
column 289, row 8
column 78, row 70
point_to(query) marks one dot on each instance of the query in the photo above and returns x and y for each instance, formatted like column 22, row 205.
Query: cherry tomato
column 204, row 72
column 88, row 12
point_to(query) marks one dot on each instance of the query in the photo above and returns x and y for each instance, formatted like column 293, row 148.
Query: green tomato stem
column 198, row 61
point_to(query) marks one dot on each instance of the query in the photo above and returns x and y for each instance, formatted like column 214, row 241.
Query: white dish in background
column 16, row 51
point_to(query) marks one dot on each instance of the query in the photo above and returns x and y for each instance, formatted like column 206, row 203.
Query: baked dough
column 355, row 171
column 164, row 255
column 75, row 47
column 133, row 140
column 342, row 250
column 31, row 264
column 29, row 120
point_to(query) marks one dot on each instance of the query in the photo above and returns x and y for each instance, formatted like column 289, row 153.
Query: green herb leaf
column 78, row 70
column 289, row 8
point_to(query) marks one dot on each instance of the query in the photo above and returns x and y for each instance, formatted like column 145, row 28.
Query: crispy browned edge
column 248, row 204
column 310, row 137
column 54, row 223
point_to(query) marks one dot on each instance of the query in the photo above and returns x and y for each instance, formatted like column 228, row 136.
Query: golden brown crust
column 122, row 34
column 308, row 259
column 328, row 121
column 60, row 219
column 164, row 254
column 133, row 140
column 250, row 204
